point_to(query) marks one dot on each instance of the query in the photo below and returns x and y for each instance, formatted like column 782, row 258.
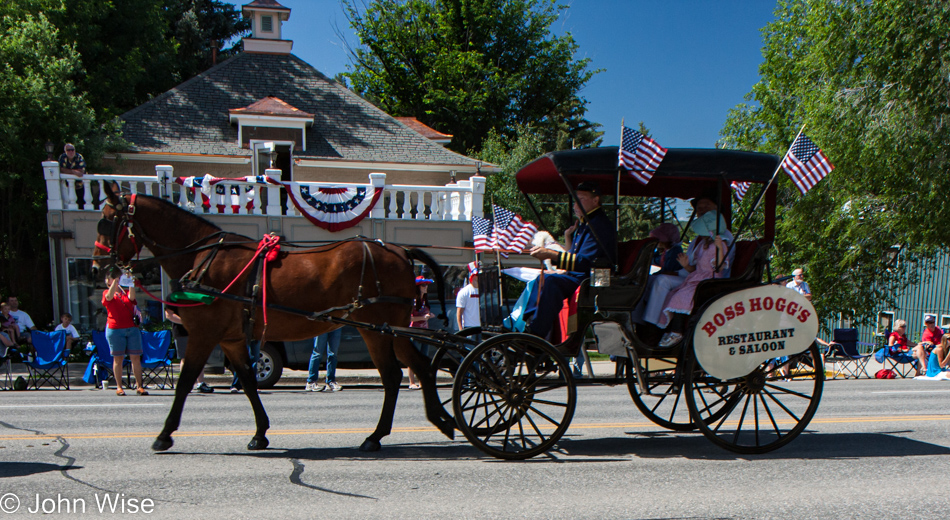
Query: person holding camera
column 122, row 332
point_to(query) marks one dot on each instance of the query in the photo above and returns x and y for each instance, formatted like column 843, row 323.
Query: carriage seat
column 627, row 286
column 747, row 268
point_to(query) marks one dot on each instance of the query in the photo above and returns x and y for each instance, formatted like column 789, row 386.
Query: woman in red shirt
column 898, row 342
column 122, row 334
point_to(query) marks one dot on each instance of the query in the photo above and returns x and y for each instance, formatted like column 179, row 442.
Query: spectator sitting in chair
column 897, row 342
column 23, row 321
column 940, row 357
column 66, row 324
column 577, row 261
column 8, row 323
column 930, row 337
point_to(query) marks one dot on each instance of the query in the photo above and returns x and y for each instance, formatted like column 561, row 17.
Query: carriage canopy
column 685, row 173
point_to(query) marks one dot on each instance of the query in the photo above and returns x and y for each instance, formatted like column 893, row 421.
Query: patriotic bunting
column 333, row 209
column 328, row 207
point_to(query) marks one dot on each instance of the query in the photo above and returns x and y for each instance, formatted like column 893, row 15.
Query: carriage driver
column 573, row 266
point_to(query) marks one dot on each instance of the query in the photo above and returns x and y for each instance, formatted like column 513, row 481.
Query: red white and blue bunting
column 331, row 208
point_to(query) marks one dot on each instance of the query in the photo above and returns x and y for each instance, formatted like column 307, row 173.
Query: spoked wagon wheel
column 514, row 396
column 444, row 366
column 665, row 404
column 759, row 412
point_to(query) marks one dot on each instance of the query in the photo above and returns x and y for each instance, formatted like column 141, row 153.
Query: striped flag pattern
column 480, row 232
column 511, row 233
column 740, row 188
column 806, row 164
column 639, row 154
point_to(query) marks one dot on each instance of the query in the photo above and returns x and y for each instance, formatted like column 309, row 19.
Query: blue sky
column 676, row 65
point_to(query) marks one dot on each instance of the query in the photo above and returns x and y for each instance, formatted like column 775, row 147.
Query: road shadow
column 661, row 444
column 24, row 469
column 809, row 445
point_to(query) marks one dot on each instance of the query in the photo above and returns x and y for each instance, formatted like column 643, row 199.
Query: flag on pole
column 510, row 232
column 740, row 188
column 639, row 154
column 480, row 229
column 806, row 164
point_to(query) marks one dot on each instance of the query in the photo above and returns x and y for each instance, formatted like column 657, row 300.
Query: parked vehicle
column 295, row 355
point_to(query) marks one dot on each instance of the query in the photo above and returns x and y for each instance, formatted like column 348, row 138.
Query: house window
column 944, row 322
column 267, row 24
column 885, row 322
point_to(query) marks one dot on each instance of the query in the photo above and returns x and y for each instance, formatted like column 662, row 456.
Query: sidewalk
column 347, row 377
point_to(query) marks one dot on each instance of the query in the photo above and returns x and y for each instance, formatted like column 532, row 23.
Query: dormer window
column 271, row 119
column 267, row 24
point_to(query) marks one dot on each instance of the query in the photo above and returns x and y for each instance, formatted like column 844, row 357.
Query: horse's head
column 116, row 229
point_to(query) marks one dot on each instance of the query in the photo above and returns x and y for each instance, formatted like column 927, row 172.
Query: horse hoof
column 162, row 444
column 370, row 445
column 258, row 443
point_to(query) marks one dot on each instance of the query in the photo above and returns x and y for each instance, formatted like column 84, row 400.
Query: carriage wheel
column 514, row 396
column 759, row 412
column 444, row 366
column 665, row 405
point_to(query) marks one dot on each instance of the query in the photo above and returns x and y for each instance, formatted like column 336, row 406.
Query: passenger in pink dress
column 710, row 254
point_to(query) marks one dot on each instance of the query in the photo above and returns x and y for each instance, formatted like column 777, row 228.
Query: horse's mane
column 169, row 206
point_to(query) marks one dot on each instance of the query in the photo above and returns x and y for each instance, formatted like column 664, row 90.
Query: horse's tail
column 420, row 255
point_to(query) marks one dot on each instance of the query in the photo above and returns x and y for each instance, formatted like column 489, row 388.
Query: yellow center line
column 426, row 429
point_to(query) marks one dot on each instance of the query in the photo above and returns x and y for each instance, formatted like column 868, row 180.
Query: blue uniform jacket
column 584, row 249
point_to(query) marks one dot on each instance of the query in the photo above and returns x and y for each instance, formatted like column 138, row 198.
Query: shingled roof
column 192, row 118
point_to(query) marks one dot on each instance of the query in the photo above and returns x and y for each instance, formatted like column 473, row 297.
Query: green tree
column 870, row 81
column 468, row 67
column 38, row 101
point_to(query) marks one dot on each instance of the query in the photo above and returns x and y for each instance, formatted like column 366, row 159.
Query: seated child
column 71, row 333
column 8, row 323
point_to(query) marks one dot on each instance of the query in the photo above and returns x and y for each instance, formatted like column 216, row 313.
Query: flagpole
column 501, row 294
column 758, row 198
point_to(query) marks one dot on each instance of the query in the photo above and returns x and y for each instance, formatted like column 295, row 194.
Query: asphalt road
column 876, row 449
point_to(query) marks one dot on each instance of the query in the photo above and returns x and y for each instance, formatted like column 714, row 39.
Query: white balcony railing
column 457, row 201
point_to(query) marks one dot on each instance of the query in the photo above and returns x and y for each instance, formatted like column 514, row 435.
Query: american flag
column 510, row 232
column 480, row 229
column 740, row 188
column 806, row 164
column 640, row 154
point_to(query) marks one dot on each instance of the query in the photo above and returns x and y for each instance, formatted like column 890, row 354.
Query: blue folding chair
column 844, row 351
column 902, row 363
column 99, row 369
column 157, row 368
column 50, row 365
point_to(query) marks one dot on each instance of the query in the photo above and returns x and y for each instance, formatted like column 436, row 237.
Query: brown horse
column 310, row 280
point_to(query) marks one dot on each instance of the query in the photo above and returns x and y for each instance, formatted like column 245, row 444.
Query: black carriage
column 750, row 391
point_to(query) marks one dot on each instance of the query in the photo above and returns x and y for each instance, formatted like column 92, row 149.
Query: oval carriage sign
column 741, row 330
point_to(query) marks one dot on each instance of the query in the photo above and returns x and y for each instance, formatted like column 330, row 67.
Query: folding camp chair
column 99, row 369
column 157, row 368
column 844, row 351
column 5, row 365
column 50, row 365
column 902, row 363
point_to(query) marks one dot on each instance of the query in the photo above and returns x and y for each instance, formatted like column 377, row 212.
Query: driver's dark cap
column 590, row 187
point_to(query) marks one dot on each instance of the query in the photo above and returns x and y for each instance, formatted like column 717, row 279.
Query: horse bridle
column 118, row 231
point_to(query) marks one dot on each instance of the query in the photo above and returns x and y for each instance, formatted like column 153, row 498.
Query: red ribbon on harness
column 270, row 244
